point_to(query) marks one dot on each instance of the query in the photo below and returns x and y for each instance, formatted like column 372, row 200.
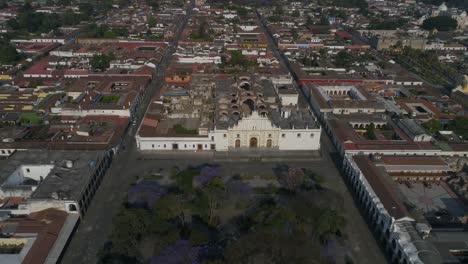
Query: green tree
column 460, row 126
column 361, row 4
column 209, row 199
column 70, row 18
column 343, row 59
column 128, row 227
column 86, row 9
column 294, row 34
column 184, row 179
column 171, row 207
column 432, row 126
column 309, row 21
column 274, row 18
column 201, row 32
column 103, row 31
column 33, row 22
column 154, row 4
column 274, row 218
column 238, row 59
column 441, row 23
column 152, row 21
column 370, row 131
column 101, row 62
column 387, row 24
column 329, row 222
column 8, row 54
column 242, row 12
column 64, row 2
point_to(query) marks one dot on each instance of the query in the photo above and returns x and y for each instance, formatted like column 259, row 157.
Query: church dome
column 443, row 7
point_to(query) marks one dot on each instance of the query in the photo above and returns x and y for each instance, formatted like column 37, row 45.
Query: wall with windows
column 175, row 143
column 5, row 153
column 397, row 237
column 299, row 139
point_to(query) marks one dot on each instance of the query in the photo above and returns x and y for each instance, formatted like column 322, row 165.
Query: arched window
column 72, row 208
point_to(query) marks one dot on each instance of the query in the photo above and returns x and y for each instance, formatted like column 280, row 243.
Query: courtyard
column 433, row 199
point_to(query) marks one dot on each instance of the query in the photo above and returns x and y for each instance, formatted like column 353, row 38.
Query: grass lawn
column 109, row 99
column 153, row 177
column 30, row 119
column 181, row 130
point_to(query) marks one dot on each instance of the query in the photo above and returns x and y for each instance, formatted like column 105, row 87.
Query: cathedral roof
column 443, row 7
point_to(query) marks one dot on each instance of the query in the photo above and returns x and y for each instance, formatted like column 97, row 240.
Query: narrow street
column 96, row 226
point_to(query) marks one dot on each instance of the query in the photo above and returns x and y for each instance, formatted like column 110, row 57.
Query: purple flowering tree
column 292, row 178
column 207, row 174
column 179, row 252
column 144, row 195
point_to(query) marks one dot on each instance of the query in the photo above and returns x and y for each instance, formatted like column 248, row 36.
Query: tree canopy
column 351, row 3
column 432, row 126
column 460, row 126
column 154, row 4
column 441, row 23
column 343, row 59
column 103, row 31
column 101, row 62
column 379, row 24
column 199, row 222
column 35, row 22
column 202, row 32
column 8, row 54
column 32, row 22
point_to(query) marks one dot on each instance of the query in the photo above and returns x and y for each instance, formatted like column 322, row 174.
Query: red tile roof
column 387, row 195
column 53, row 220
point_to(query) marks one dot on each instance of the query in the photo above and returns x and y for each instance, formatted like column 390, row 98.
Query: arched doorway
column 237, row 143
column 269, row 143
column 253, row 142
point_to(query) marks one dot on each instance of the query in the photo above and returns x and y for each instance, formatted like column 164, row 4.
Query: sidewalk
column 233, row 155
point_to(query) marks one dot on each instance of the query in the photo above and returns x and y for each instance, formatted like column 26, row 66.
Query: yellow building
column 464, row 87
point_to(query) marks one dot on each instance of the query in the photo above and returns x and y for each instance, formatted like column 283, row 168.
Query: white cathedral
column 458, row 14
column 248, row 113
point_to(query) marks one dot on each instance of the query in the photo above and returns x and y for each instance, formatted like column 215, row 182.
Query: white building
column 234, row 113
column 251, row 132
column 199, row 59
column 64, row 180
column 387, row 215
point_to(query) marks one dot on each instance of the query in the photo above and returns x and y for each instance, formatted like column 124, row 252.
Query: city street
column 96, row 225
